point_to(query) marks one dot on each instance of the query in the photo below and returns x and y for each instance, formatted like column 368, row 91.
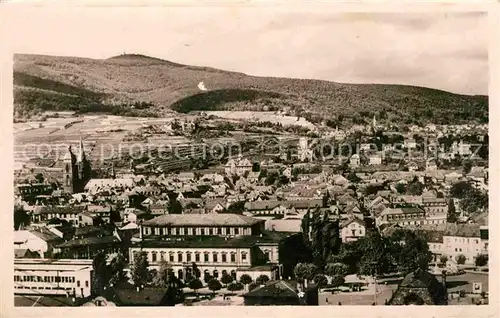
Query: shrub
column 235, row 286
column 262, row 279
column 443, row 259
column 481, row 260
column 195, row 284
column 226, row 279
column 245, row 279
column 214, row 285
column 461, row 259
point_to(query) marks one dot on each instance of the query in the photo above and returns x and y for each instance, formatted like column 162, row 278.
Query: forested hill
column 137, row 85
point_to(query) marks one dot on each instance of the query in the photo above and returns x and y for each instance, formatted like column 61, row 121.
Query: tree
column 245, row 279
column 235, row 286
column 400, row 188
column 207, row 277
column 164, row 275
column 252, row 286
column 214, row 285
column 374, row 255
column 443, row 259
column 117, row 269
column 39, row 178
column 100, row 278
column 305, row 271
column 460, row 189
column 140, row 273
column 195, row 284
column 467, row 166
column 337, row 281
column 262, row 279
column 226, row 279
column 481, row 260
column 415, row 188
column 320, row 280
column 21, row 217
column 452, row 216
column 325, row 238
column 333, row 269
column 461, row 259
column 409, row 251
column 175, row 207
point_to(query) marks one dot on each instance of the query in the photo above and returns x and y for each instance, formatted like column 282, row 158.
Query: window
column 171, row 257
column 162, row 256
column 205, row 257
column 243, row 256
column 153, row 257
column 215, row 257
column 203, row 231
column 188, row 257
column 77, row 283
column 236, row 231
column 196, row 257
column 179, row 257
column 86, row 283
column 224, row 258
column 219, row 231
column 211, row 231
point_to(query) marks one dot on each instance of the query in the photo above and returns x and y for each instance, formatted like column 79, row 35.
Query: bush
column 245, row 279
column 214, row 285
column 226, row 279
column 443, row 259
column 252, row 286
column 461, row 259
column 235, row 286
column 195, row 284
column 262, row 279
column 337, row 281
column 481, row 260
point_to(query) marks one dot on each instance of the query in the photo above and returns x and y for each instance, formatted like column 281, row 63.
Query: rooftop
column 202, row 220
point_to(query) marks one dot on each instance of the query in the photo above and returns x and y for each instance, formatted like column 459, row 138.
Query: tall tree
column 140, row 273
column 100, row 277
column 452, row 216
column 410, row 251
column 21, row 217
column 116, row 268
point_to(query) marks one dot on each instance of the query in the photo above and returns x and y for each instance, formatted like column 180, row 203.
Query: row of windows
column 44, row 279
column 160, row 256
column 46, row 288
column 463, row 240
column 405, row 216
column 193, row 231
column 48, row 279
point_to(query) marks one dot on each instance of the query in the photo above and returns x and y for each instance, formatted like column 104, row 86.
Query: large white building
column 53, row 277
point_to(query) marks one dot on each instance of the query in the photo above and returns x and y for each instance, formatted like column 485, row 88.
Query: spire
column 81, row 154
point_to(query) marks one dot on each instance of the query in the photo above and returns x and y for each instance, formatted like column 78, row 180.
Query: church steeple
column 81, row 154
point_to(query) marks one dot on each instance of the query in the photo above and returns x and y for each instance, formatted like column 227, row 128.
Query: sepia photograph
column 250, row 156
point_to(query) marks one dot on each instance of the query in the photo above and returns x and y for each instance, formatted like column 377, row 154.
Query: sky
column 447, row 51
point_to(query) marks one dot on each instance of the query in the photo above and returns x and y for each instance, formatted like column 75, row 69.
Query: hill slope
column 140, row 85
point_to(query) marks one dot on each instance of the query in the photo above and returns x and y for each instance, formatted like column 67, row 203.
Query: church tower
column 83, row 169
column 69, row 161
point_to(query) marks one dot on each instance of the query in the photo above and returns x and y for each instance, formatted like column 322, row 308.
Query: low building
column 52, row 277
